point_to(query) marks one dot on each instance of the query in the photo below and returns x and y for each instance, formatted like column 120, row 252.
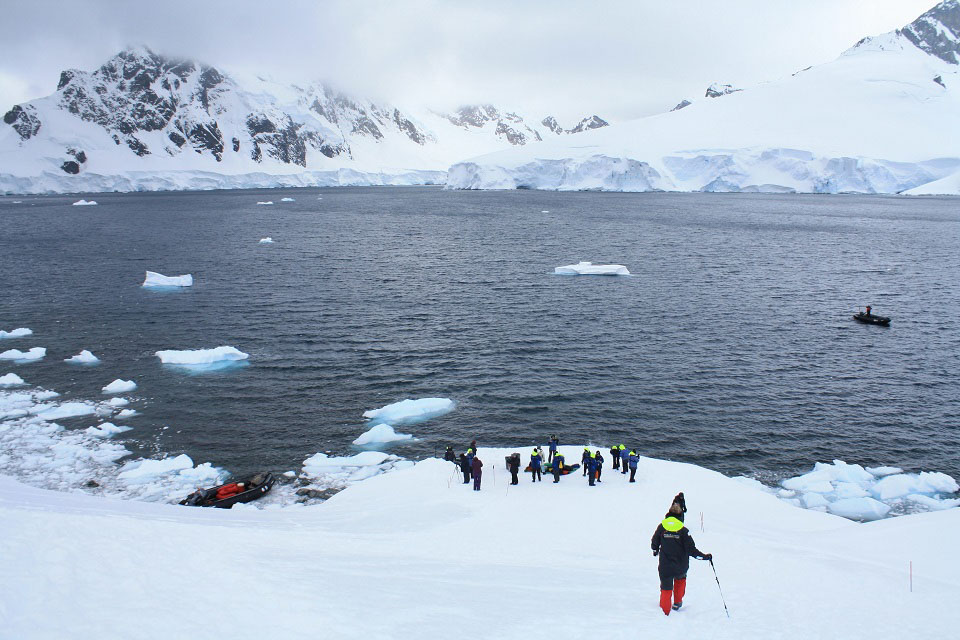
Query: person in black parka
column 674, row 544
column 681, row 502
column 465, row 468
column 513, row 463
column 450, row 456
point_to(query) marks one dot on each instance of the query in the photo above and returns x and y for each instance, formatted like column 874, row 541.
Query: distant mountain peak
column 717, row 89
column 937, row 31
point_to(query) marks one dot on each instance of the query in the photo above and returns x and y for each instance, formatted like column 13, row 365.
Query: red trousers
column 679, row 588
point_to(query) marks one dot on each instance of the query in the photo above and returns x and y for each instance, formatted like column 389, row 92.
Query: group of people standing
column 671, row 542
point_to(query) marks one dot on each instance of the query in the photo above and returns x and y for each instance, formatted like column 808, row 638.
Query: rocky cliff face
column 937, row 31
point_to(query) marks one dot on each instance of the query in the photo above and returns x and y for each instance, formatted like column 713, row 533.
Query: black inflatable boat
column 871, row 319
column 254, row 487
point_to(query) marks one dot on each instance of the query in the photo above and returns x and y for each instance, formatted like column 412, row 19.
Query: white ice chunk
column 127, row 413
column 16, row 333
column 590, row 269
column 120, row 386
column 933, row 504
column 287, row 200
column 879, row 472
column 200, row 356
column 11, row 380
column 813, row 500
column 34, row 354
column 155, row 279
column 381, row 433
column 267, row 202
column 902, row 484
column 850, row 490
column 410, row 411
column 320, row 462
column 106, row 430
column 140, row 471
column 84, row 203
column 864, row 509
column 118, row 402
column 66, row 410
column 84, row 357
column 267, row 240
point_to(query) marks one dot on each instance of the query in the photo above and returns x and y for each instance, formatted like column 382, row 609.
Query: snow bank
column 155, row 279
column 84, row 203
column 267, row 240
column 120, row 386
column 351, row 469
column 409, row 411
column 590, row 269
column 11, row 380
column 859, row 493
column 34, row 354
column 381, row 433
column 84, row 357
column 15, row 333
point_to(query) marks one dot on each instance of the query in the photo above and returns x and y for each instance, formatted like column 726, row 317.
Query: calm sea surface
column 731, row 346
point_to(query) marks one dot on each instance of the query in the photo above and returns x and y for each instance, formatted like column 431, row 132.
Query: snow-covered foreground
column 415, row 553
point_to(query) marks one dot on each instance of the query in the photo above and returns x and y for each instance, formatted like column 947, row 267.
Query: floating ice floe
column 127, row 413
column 11, row 380
column 380, row 434
column 84, row 357
column 155, row 279
column 65, row 410
column 34, row 354
column 590, row 269
column 267, row 240
column 871, row 493
column 15, row 333
column 84, row 203
column 118, row 402
column 267, row 202
column 202, row 360
column 120, row 386
column 409, row 411
column 287, row 200
column 106, row 430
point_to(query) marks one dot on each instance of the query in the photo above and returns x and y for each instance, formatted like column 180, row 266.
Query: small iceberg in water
column 590, row 269
column 287, row 200
column 11, row 380
column 84, row 203
column 120, row 386
column 84, row 357
column 267, row 240
column 19, row 357
column 267, row 202
column 409, row 411
column 106, row 430
column 15, row 333
column 381, row 434
column 159, row 280
column 203, row 360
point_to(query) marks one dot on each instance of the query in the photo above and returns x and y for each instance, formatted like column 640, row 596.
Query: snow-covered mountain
column 143, row 121
column 884, row 117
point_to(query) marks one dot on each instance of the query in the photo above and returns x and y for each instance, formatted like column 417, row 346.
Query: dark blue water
column 732, row 346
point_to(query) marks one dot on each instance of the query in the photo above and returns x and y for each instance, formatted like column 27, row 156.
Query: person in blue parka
column 591, row 466
column 557, row 467
column 633, row 460
column 536, row 464
column 624, row 456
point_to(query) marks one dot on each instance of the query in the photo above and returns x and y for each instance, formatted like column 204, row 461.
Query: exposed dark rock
column 474, row 115
column 236, row 144
column 24, row 121
column 593, row 122
column 77, row 155
column 91, row 484
column 408, row 128
column 309, row 493
column 513, row 136
column 551, row 123
column 939, row 81
column 71, row 166
column 937, row 31
column 716, row 90
column 176, row 138
column 207, row 137
column 137, row 147
column 681, row 105
column 65, row 78
column 260, row 124
column 366, row 126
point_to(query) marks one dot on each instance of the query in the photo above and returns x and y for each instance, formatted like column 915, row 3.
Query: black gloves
column 656, row 552
column 708, row 556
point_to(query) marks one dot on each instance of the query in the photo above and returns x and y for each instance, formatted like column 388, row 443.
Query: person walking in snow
column 477, row 471
column 536, row 464
column 554, row 442
column 674, row 545
column 615, row 456
column 681, row 502
column 513, row 464
column 585, row 459
column 557, row 467
column 633, row 460
column 591, row 466
column 623, row 459
column 465, row 468
column 599, row 464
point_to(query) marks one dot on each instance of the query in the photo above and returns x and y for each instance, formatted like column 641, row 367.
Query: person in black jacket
column 513, row 464
column 681, row 502
column 615, row 455
column 465, row 468
column 450, row 456
column 599, row 465
column 674, row 544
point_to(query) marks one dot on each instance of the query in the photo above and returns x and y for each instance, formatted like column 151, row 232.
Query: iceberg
column 84, row 357
column 863, row 509
column 380, row 434
column 34, row 354
column 120, row 386
column 118, row 402
column 15, row 333
column 267, row 240
column 590, row 269
column 127, row 413
column 155, row 279
column 11, row 380
column 267, row 202
column 409, row 411
column 84, row 203
column 204, row 360
column 106, row 430
column 287, row 200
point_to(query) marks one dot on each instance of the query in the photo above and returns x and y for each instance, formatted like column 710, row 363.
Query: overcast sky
column 618, row 59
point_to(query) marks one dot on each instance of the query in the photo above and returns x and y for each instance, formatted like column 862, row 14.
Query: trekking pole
column 719, row 587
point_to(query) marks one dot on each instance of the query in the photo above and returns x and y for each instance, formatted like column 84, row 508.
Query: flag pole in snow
column 911, row 576
column 701, row 521
column 719, row 587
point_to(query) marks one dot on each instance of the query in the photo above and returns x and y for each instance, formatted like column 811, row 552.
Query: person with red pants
column 674, row 544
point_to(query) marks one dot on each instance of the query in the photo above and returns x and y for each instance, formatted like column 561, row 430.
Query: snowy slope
column 142, row 121
column 414, row 553
column 881, row 118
